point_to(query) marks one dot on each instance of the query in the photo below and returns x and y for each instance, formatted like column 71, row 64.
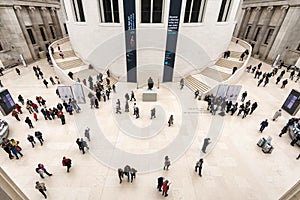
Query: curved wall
column 103, row 45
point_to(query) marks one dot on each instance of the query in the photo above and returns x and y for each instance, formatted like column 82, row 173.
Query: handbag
column 18, row 148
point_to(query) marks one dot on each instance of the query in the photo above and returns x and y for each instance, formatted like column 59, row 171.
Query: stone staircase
column 236, row 54
column 194, row 84
column 69, row 64
column 67, row 54
column 215, row 74
column 228, row 63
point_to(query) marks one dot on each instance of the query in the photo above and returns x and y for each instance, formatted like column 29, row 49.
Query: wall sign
column 130, row 39
column 172, row 35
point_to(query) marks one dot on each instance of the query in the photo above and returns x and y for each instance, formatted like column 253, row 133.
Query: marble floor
column 234, row 166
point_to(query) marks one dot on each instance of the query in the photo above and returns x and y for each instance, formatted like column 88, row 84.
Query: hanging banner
column 222, row 90
column 172, row 35
column 233, row 92
column 130, row 39
column 79, row 94
column 65, row 93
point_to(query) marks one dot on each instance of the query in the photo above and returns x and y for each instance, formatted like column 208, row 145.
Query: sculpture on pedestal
column 150, row 83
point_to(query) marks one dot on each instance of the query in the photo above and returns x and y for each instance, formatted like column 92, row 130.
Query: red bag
column 18, row 148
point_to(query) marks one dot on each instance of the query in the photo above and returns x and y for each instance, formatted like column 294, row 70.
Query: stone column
column 254, row 24
column 264, row 29
column 56, row 23
column 245, row 22
column 276, row 30
column 43, row 12
column 24, row 30
column 36, row 28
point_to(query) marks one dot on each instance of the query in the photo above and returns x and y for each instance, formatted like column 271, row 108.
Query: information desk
column 293, row 130
column 4, row 130
column 149, row 95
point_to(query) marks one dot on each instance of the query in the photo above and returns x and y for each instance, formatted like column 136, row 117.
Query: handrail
column 291, row 193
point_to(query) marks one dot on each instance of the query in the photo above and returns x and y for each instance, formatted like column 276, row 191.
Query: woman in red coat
column 165, row 188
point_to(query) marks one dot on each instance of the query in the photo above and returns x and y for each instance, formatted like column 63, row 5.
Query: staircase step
column 66, row 54
column 228, row 63
column 215, row 74
column 71, row 64
column 195, row 84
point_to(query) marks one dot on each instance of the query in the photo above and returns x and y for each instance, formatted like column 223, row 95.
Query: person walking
column 241, row 109
column 263, row 125
column 67, row 162
column 52, row 80
column 283, row 130
column 19, row 108
column 278, row 79
column 41, row 187
column 18, row 71
column 253, row 107
column 30, row 138
column 165, row 188
column 167, row 163
column 120, row 174
column 266, row 81
column 132, row 96
column 205, row 144
column 133, row 174
column 28, row 121
column 298, row 157
column 197, row 92
column 171, row 120
column 45, row 83
column 199, row 167
column 244, row 95
column 246, row 111
column 127, row 170
column 137, row 112
column 39, row 136
column 80, row 146
column 152, row 113
column 277, row 114
column 284, row 83
column 87, row 133
column 260, row 82
column 15, row 114
column 41, row 170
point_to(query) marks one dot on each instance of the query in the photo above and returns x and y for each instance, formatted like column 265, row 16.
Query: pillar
column 255, row 22
column 43, row 12
column 276, row 30
column 36, row 28
column 56, row 23
column 25, row 33
column 264, row 29
column 245, row 22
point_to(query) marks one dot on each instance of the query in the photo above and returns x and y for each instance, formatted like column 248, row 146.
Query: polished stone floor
column 234, row 167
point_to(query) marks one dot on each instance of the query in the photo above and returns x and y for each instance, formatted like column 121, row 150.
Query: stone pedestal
column 149, row 95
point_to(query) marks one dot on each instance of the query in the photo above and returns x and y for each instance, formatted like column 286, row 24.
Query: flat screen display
column 6, row 102
column 292, row 102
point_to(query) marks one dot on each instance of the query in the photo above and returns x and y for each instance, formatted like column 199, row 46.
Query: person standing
column 246, row 111
column 197, row 92
column 39, row 136
column 41, row 187
column 80, row 146
column 87, row 133
column 30, row 138
column 205, row 144
column 234, row 70
column 167, row 163
column 165, row 188
column 120, row 174
column 244, row 95
column 283, row 130
column 45, row 83
column 181, row 83
column 28, row 121
column 260, row 82
column 160, row 182
column 52, row 80
column 277, row 114
column 67, row 162
column 137, row 112
column 292, row 74
column 266, row 81
column 171, row 120
column 199, row 167
column 263, row 125
column 241, row 109
column 16, row 150
column 7, row 146
column 298, row 157
column 118, row 107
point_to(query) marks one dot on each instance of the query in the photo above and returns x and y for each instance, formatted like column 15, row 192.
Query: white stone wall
column 103, row 45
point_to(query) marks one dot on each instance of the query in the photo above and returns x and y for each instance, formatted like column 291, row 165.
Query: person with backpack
column 67, row 162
